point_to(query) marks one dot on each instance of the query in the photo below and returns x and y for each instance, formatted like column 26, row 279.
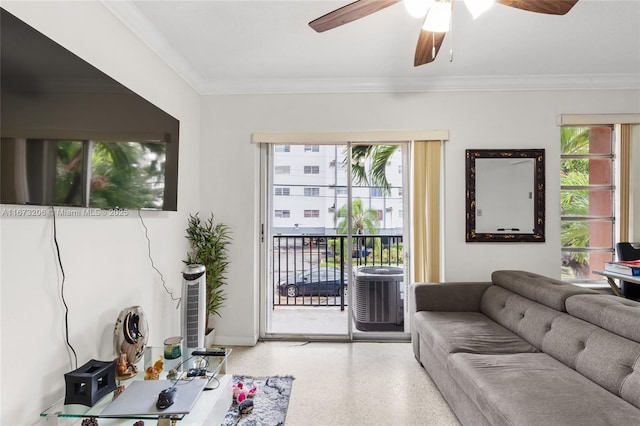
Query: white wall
column 475, row 120
column 105, row 259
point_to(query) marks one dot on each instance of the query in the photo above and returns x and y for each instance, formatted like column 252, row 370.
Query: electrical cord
column 184, row 378
column 205, row 364
column 164, row 283
column 64, row 302
column 207, row 387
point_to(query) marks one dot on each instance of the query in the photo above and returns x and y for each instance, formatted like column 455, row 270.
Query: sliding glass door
column 334, row 240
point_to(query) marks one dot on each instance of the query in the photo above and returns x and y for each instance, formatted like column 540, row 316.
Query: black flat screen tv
column 73, row 136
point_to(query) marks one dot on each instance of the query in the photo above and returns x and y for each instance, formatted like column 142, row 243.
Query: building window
column 312, row 213
column 311, row 170
column 312, row 192
column 376, row 192
column 282, row 170
column 587, row 200
column 312, row 148
column 283, row 213
column 341, row 190
column 285, row 191
column 282, row 148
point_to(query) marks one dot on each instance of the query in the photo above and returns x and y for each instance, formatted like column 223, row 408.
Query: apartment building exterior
column 310, row 186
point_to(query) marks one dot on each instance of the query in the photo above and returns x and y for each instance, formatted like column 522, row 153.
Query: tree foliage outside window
column 577, row 201
column 379, row 156
column 574, row 141
column 363, row 221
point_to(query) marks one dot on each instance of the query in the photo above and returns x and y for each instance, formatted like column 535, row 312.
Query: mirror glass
column 505, row 195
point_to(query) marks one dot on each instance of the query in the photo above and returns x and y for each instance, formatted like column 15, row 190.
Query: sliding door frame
column 333, row 138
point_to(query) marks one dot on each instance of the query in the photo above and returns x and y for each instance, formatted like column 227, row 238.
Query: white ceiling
column 263, row 46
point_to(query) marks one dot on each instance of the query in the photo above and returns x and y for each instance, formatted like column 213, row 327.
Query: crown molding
column 425, row 84
column 127, row 13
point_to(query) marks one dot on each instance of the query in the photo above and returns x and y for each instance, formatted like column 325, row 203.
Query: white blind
column 595, row 119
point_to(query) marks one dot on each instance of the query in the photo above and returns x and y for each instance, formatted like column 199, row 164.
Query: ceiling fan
column 436, row 14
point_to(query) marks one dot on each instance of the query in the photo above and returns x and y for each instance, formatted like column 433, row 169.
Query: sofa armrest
column 452, row 297
column 449, row 297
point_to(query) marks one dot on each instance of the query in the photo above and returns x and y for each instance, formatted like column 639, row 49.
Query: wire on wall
column 164, row 283
column 64, row 302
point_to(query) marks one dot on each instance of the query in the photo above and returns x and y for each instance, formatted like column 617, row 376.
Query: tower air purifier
column 194, row 306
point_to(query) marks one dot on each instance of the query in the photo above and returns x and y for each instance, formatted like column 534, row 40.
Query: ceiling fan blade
column 551, row 7
column 349, row 13
column 428, row 46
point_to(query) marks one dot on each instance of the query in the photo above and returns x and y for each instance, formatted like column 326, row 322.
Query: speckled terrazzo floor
column 358, row 383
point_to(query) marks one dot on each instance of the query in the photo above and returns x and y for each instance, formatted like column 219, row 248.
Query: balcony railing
column 312, row 270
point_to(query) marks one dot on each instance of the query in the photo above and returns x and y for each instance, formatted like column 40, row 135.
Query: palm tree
column 362, row 221
column 575, row 172
column 574, row 140
column 379, row 156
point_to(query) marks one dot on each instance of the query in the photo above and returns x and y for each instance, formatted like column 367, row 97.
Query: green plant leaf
column 209, row 246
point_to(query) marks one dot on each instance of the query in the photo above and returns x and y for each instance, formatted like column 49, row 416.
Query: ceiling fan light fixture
column 478, row 7
column 417, row 8
column 438, row 17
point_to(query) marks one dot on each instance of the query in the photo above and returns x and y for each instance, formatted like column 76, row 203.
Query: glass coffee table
column 210, row 407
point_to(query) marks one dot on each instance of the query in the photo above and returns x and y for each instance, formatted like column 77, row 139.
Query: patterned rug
column 270, row 402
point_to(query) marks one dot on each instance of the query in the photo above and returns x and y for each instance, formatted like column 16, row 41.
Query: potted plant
column 209, row 247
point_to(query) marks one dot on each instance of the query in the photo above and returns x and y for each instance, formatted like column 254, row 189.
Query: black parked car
column 315, row 282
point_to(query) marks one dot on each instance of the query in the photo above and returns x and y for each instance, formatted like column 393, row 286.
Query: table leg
column 614, row 287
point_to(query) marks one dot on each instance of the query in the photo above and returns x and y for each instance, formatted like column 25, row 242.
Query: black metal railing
column 312, row 270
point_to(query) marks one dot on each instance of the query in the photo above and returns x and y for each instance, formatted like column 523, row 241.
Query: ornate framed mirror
column 505, row 192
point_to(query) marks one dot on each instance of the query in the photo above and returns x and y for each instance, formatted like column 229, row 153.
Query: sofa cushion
column 616, row 314
column 528, row 319
column 609, row 360
column 545, row 290
column 535, row 389
column 436, row 365
column 470, row 332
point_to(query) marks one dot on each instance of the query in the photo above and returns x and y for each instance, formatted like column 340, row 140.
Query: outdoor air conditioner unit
column 194, row 306
column 378, row 299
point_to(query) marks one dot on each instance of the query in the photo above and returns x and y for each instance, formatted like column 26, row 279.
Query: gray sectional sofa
column 525, row 349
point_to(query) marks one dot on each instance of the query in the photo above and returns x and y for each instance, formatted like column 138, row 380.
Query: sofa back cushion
column 608, row 359
column 545, row 290
column 616, row 314
column 526, row 318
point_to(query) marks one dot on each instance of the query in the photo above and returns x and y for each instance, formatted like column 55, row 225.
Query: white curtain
column 426, row 211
